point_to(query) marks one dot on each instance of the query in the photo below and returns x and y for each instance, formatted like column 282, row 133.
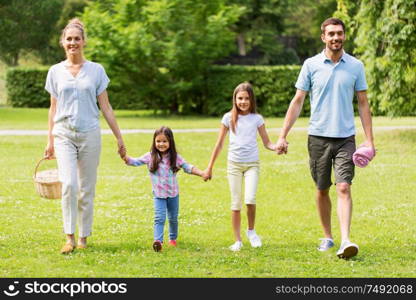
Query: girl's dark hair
column 242, row 87
column 156, row 156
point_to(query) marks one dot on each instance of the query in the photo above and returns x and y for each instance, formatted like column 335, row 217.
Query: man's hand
column 370, row 144
column 281, row 146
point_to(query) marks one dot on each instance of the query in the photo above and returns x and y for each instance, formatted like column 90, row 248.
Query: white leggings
column 237, row 173
column 78, row 155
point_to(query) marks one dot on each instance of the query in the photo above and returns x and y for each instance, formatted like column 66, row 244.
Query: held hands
column 206, row 174
column 121, row 149
column 273, row 147
column 126, row 158
column 281, row 146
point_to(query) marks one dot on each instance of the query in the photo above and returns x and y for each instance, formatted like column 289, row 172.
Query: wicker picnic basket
column 47, row 183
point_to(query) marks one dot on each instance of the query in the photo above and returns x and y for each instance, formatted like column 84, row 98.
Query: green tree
column 157, row 52
column 346, row 11
column 26, row 26
column 54, row 52
column 302, row 25
column 386, row 39
column 259, row 27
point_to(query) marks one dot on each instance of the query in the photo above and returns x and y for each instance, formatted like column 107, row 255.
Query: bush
column 157, row 51
column 274, row 87
column 25, row 87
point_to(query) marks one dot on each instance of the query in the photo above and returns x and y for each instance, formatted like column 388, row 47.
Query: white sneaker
column 236, row 246
column 347, row 250
column 326, row 244
column 254, row 239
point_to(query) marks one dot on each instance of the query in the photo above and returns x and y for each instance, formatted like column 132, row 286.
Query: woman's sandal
column 81, row 246
column 67, row 248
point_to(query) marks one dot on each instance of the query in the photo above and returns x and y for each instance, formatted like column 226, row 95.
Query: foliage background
column 26, row 26
column 160, row 53
column 273, row 87
column 386, row 43
column 163, row 48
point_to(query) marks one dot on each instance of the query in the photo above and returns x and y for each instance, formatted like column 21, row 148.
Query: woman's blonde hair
column 73, row 23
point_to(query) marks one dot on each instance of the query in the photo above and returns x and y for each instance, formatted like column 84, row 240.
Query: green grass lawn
column 383, row 218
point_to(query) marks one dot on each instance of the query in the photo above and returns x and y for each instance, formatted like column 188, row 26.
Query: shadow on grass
column 113, row 248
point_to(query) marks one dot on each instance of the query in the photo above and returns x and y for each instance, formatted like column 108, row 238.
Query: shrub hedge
column 25, row 87
column 273, row 87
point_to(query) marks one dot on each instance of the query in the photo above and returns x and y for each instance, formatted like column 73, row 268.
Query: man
column 331, row 77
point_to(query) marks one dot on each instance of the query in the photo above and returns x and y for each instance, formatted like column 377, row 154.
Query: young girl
column 243, row 158
column 163, row 163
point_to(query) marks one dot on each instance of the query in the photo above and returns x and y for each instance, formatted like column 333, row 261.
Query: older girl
column 243, row 158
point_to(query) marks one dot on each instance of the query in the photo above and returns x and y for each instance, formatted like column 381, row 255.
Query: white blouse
column 77, row 95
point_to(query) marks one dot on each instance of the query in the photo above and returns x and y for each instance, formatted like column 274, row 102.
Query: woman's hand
column 121, row 149
column 126, row 159
column 49, row 151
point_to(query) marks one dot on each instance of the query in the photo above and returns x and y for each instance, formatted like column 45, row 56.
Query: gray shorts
column 325, row 152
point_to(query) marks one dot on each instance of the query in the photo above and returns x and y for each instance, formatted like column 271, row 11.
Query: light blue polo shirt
column 76, row 105
column 332, row 86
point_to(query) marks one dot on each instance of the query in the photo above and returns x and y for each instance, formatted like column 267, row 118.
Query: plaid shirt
column 164, row 182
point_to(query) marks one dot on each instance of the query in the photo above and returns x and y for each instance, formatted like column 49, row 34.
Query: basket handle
column 37, row 165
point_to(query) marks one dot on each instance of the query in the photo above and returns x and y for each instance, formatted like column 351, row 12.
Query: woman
column 74, row 134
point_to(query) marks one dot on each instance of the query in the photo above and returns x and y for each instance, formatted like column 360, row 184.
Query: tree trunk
column 241, row 45
column 15, row 59
column 174, row 107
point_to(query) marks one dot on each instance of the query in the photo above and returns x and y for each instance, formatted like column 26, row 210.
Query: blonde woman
column 74, row 137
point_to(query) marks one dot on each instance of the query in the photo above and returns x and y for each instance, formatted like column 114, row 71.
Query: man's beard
column 340, row 48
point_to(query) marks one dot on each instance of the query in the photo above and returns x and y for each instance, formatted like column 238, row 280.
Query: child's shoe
column 326, row 244
column 236, row 246
column 172, row 243
column 157, row 246
column 347, row 250
column 254, row 239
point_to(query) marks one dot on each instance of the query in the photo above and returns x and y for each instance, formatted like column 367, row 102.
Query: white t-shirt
column 243, row 143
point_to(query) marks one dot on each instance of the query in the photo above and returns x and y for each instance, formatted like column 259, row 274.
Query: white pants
column 237, row 173
column 78, row 155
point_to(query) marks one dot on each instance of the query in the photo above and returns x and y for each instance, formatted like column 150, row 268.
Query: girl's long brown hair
column 156, row 155
column 242, row 87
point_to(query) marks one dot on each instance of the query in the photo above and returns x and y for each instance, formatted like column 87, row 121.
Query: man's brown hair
column 332, row 21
